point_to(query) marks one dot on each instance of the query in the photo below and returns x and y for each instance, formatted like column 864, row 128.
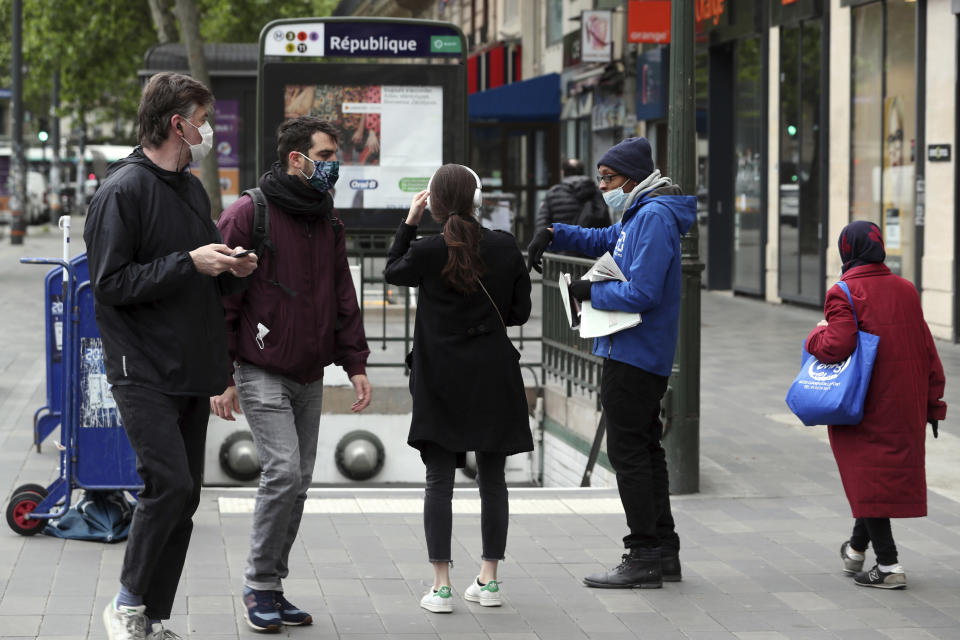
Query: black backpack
column 260, row 238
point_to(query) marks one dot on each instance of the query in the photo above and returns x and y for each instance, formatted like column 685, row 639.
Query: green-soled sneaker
column 488, row 595
column 439, row 601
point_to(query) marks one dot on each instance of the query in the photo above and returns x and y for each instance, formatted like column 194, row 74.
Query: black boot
column 670, row 565
column 640, row 568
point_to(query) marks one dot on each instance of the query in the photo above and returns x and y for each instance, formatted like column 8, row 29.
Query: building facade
column 810, row 114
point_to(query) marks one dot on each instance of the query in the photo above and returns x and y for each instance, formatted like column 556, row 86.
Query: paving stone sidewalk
column 760, row 541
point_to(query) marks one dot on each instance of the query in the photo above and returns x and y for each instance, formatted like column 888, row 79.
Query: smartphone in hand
column 245, row 252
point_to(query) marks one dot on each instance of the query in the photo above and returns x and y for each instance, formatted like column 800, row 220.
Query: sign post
column 682, row 441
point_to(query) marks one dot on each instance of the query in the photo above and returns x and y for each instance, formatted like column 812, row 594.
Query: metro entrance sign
column 394, row 90
column 362, row 39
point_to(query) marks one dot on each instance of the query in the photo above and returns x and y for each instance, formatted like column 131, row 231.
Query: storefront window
column 585, row 148
column 554, row 21
column 701, row 60
column 884, row 114
column 518, row 159
column 800, row 162
column 747, row 130
column 485, row 153
column 575, row 140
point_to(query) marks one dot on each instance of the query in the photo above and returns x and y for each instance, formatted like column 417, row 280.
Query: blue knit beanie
column 631, row 157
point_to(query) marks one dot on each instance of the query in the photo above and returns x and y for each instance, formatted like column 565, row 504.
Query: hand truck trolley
column 95, row 453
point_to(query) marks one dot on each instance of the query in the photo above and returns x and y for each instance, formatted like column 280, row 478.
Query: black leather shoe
column 670, row 566
column 639, row 569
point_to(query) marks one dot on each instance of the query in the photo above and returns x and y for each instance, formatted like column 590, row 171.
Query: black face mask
column 293, row 195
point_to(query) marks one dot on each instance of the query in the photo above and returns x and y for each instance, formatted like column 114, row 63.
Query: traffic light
column 43, row 128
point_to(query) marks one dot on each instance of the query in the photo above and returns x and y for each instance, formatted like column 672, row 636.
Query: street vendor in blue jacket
column 645, row 244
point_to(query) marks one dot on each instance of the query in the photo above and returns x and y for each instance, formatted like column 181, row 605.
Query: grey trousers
column 284, row 417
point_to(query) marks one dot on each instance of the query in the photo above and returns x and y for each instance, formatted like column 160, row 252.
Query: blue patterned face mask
column 325, row 174
column 616, row 200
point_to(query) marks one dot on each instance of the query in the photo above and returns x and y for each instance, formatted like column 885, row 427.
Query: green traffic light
column 792, row 130
column 42, row 136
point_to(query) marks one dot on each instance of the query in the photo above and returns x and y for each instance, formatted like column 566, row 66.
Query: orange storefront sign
column 709, row 10
column 648, row 21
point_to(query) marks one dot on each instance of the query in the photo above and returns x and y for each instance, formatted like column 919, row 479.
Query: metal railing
column 566, row 356
column 388, row 310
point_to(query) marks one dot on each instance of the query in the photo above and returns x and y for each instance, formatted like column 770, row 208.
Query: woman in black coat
column 468, row 392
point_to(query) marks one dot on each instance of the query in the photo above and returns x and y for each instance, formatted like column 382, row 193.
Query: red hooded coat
column 881, row 460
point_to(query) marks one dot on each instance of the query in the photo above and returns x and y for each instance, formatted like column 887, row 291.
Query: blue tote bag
column 834, row 393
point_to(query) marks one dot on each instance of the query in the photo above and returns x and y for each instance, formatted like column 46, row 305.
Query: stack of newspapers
column 582, row 316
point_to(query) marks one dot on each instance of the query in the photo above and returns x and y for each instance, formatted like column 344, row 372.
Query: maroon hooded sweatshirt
column 319, row 325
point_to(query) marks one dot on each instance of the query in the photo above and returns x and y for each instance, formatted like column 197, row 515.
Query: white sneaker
column 125, row 623
column 439, row 601
column 488, row 595
column 159, row 633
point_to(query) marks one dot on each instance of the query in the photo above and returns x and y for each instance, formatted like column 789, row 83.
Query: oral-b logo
column 364, row 185
column 372, row 43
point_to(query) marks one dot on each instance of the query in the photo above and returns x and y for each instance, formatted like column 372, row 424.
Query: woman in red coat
column 881, row 460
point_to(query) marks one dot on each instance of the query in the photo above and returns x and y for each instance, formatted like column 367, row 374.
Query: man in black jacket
column 576, row 200
column 158, row 269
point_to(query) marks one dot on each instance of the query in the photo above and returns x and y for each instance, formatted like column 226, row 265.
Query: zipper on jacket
column 125, row 367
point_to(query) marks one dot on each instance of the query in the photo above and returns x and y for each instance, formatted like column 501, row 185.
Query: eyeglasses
column 607, row 178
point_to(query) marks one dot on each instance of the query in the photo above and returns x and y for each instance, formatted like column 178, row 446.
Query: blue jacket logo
column 618, row 250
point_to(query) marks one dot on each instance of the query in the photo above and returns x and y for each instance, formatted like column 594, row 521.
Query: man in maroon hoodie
column 297, row 315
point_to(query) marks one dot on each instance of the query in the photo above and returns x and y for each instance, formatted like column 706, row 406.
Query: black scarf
column 861, row 243
column 293, row 195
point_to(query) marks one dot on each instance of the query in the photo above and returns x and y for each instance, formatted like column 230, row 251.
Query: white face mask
column 200, row 151
column 616, row 199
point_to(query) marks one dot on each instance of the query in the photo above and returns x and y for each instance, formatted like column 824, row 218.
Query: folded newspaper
column 582, row 316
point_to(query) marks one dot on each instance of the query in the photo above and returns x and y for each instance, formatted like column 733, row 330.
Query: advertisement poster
column 596, row 36
column 391, row 138
column 228, row 133
column 652, row 75
column 227, row 139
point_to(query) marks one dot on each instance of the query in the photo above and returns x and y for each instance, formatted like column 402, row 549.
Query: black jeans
column 631, row 404
column 168, row 435
column 877, row 531
column 438, row 509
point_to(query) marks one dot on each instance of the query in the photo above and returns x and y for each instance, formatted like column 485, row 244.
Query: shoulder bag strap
column 260, row 236
column 502, row 323
column 846, row 290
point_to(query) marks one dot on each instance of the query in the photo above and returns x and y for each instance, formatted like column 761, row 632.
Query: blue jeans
column 284, row 417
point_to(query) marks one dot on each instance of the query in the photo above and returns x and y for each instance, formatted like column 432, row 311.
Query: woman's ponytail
column 464, row 264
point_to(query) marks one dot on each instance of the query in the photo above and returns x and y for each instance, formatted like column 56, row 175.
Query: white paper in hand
column 570, row 304
column 594, row 322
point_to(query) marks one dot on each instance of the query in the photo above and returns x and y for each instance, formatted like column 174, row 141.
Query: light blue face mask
column 325, row 174
column 616, row 200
